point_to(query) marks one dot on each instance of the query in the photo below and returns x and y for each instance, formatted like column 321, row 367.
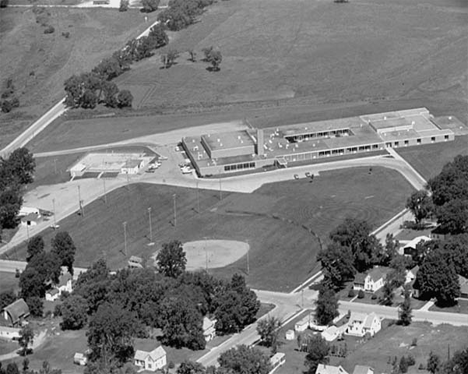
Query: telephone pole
column 105, row 194
column 150, row 226
column 125, row 236
column 55, row 221
column 175, row 209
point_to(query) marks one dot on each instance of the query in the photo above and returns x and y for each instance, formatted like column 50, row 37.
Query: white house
column 361, row 369
column 24, row 211
column 278, row 359
column 411, row 274
column 152, row 361
column 9, row 333
column 80, row 359
column 372, row 281
column 332, row 332
column 32, row 219
column 361, row 324
column 209, row 331
column 290, row 335
column 303, row 324
column 64, row 284
column 329, row 369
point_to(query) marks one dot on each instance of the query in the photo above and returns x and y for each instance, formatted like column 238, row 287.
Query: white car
column 186, row 170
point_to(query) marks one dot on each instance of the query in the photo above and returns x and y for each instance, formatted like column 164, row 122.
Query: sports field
column 39, row 63
column 278, row 221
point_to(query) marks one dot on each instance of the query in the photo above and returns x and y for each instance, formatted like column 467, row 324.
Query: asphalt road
column 7, row 266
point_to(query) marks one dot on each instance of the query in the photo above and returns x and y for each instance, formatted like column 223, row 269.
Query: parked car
column 186, row 170
column 296, row 176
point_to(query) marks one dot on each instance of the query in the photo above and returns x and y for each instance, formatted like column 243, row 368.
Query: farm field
column 276, row 221
column 428, row 160
column 320, row 52
column 39, row 63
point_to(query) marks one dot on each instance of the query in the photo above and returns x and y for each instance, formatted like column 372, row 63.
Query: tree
column 337, row 265
column 150, row 5
column 21, row 166
column 214, row 57
column 182, row 324
column 42, row 269
column 193, row 55
column 190, row 367
column 327, row 307
column 89, row 99
column 420, row 204
column 10, row 204
column 4, row 3
column 458, row 364
column 74, row 310
column 405, row 312
column 171, row 259
column 245, row 360
column 453, row 216
column 437, row 278
column 387, row 296
column 26, row 338
column 317, row 353
column 268, row 331
column 455, row 248
column 12, row 368
column 110, row 334
column 123, row 5
column 125, row 99
column 433, row 363
column 403, row 366
column 35, row 247
column 35, row 305
column 170, row 58
column 356, row 234
column 64, row 248
column 6, row 298
column 159, row 35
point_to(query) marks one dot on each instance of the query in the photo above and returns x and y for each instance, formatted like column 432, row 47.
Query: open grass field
column 39, row 63
column 396, row 341
column 429, row 159
column 316, row 51
column 275, row 221
column 8, row 281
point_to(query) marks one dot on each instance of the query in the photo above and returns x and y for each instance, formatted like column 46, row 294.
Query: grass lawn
column 8, row 281
column 39, row 63
column 429, row 159
column 396, row 341
column 407, row 234
column 7, row 346
column 461, row 307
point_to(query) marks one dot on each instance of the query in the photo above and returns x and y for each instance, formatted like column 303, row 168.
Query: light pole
column 220, row 190
column 175, row 209
column 125, row 236
column 105, row 194
column 150, row 225
column 248, row 265
column 55, row 222
column 80, row 202
column 198, row 199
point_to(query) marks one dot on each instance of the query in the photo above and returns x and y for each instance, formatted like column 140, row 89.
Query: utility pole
column 55, row 221
column 198, row 199
column 55, row 165
column 220, row 190
column 80, row 202
column 150, row 226
column 125, row 236
column 175, row 209
column 248, row 264
column 105, row 194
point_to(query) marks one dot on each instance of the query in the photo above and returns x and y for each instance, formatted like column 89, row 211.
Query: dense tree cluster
column 182, row 13
column 317, row 353
column 150, row 5
column 450, row 196
column 16, row 171
column 268, row 329
column 14, row 368
column 172, row 300
column 326, row 306
column 420, row 204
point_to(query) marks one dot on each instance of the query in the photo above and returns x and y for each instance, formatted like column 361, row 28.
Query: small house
column 463, row 286
column 32, row 219
column 361, row 324
column 276, row 360
column 9, row 333
column 132, row 166
column 439, row 234
column 302, row 325
column 64, row 284
column 135, row 262
column 361, row 369
column 80, row 359
column 329, row 369
column 371, row 281
column 411, row 274
column 16, row 312
column 209, row 331
column 332, row 332
column 152, row 361
column 290, row 335
column 409, row 249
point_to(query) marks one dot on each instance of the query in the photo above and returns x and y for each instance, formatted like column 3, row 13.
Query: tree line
column 16, row 172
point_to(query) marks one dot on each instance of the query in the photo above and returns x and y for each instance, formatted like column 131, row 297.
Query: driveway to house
column 38, row 341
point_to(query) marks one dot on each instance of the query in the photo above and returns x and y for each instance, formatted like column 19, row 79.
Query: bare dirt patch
column 213, row 253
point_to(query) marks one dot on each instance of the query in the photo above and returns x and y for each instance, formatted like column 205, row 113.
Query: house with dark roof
column 16, row 312
column 371, row 281
column 410, row 275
